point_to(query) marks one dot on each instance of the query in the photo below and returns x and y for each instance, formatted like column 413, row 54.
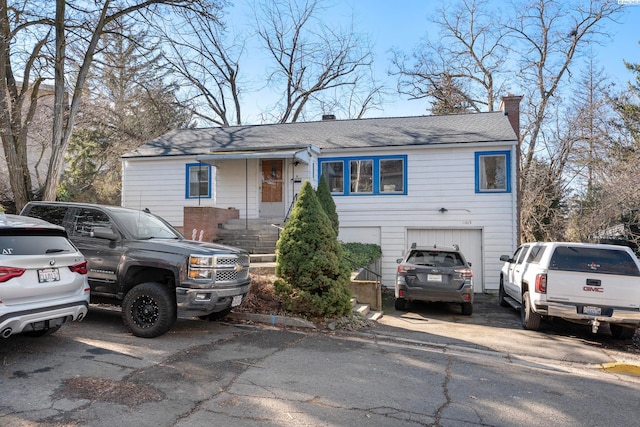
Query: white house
column 431, row 179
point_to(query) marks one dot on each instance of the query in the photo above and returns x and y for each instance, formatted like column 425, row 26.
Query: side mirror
column 104, row 233
column 505, row 258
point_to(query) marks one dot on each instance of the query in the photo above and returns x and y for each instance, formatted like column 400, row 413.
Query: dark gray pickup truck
column 140, row 262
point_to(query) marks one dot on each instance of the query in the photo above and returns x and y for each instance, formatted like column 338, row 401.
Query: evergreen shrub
column 313, row 277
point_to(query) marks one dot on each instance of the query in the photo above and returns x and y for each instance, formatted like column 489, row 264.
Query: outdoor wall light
column 442, row 210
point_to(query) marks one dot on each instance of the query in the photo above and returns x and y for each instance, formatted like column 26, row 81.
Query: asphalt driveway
column 496, row 328
column 430, row 366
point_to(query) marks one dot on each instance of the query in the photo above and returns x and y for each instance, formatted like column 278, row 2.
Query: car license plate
column 236, row 301
column 47, row 275
column 591, row 311
column 434, row 277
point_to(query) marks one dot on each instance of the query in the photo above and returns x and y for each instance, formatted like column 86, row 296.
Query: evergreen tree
column 128, row 102
column 84, row 165
column 328, row 205
column 313, row 277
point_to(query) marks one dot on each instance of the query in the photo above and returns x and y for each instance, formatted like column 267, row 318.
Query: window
column 492, row 172
column 36, row 242
column 85, row 220
column 361, row 176
column 52, row 214
column 392, row 175
column 333, row 173
column 521, row 255
column 198, row 181
column 375, row 175
column 536, row 254
column 593, row 260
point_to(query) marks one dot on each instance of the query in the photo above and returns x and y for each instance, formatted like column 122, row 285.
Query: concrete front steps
column 256, row 236
column 364, row 310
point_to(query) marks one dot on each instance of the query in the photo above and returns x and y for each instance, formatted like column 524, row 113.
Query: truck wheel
column 620, row 332
column 502, row 294
column 219, row 315
column 530, row 319
column 148, row 310
column 467, row 308
column 401, row 304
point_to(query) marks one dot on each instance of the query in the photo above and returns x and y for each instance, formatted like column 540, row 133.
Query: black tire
column 401, row 304
column 620, row 332
column 467, row 308
column 149, row 310
column 530, row 319
column 42, row 332
column 501, row 294
column 216, row 316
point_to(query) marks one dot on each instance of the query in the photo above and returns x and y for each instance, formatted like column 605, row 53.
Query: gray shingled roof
column 363, row 133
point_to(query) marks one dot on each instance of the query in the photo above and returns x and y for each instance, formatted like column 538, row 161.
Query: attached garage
column 469, row 241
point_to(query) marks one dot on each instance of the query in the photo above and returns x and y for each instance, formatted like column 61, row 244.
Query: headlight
column 199, row 261
column 201, row 267
column 201, row 274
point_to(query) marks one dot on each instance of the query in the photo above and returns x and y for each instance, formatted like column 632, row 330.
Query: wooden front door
column 272, row 197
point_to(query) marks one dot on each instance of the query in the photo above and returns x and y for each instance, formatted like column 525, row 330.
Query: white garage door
column 469, row 241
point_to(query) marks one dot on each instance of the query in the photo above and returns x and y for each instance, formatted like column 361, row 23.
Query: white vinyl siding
column 440, row 193
column 159, row 185
column 238, row 186
column 437, row 178
column 368, row 235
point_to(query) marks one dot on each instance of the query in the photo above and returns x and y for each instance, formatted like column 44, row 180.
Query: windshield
column 34, row 243
column 142, row 226
column 593, row 260
column 435, row 258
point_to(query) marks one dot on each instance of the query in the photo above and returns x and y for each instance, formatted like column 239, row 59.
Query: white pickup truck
column 579, row 282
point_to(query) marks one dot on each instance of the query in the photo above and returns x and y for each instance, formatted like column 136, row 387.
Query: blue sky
column 402, row 23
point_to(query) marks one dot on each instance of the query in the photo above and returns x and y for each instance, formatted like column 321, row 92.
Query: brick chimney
column 510, row 104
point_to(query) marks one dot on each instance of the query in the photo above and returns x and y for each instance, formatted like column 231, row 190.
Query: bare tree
column 311, row 57
column 209, row 65
column 550, row 35
column 129, row 100
column 457, row 68
column 33, row 45
column 627, row 104
column 363, row 96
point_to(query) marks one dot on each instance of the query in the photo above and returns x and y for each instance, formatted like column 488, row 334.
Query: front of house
column 432, row 180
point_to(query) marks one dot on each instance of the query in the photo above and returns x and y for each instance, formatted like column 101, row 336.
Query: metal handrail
column 363, row 267
column 295, row 198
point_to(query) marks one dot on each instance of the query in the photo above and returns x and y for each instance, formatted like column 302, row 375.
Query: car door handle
column 593, row 282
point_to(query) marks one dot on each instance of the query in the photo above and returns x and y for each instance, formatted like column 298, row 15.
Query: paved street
column 428, row 367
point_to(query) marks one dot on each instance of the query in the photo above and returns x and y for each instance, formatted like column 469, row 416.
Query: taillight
column 8, row 273
column 80, row 268
column 466, row 273
column 541, row 283
column 404, row 269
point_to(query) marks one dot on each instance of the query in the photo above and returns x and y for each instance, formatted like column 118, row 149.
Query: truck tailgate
column 594, row 289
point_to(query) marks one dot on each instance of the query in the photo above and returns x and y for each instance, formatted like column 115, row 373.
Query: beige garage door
column 469, row 241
